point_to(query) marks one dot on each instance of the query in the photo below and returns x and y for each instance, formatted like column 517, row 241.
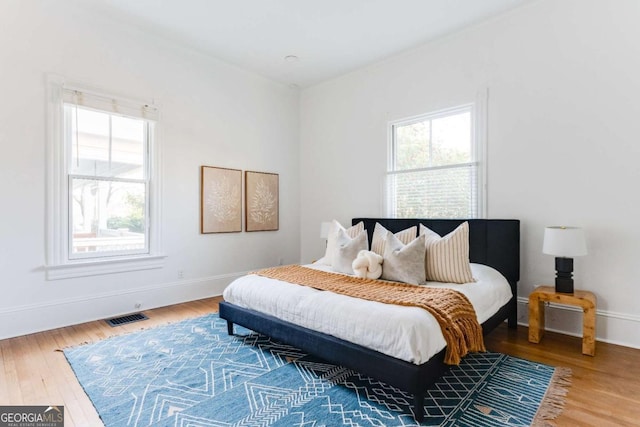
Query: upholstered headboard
column 493, row 242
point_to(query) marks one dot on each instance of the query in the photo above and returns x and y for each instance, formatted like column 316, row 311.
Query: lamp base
column 564, row 286
column 564, row 279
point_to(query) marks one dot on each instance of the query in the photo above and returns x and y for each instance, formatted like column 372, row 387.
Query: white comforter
column 408, row 333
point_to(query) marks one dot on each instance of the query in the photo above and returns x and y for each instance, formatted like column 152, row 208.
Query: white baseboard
column 614, row 328
column 40, row 317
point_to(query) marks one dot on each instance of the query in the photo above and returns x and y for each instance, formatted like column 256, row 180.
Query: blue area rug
column 193, row 374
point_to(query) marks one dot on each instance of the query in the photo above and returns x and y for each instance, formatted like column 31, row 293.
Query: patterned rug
column 193, row 374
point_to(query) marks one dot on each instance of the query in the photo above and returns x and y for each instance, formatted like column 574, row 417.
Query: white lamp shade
column 564, row 241
column 324, row 229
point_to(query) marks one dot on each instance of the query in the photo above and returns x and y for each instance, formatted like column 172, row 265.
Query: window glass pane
column 451, row 139
column 107, row 216
column 412, row 146
column 439, row 193
column 89, row 137
column 128, row 147
column 105, row 145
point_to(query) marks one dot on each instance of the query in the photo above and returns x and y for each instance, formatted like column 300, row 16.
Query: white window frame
column 60, row 264
column 478, row 111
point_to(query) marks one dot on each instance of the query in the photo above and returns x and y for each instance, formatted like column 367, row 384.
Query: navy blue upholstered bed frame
column 493, row 242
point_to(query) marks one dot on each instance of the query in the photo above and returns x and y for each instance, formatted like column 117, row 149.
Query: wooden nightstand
column 584, row 299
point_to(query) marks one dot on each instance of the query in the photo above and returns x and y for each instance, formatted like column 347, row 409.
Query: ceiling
column 327, row 37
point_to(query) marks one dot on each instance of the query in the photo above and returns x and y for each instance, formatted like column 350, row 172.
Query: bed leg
column 512, row 317
column 418, row 407
column 229, row 327
column 512, row 320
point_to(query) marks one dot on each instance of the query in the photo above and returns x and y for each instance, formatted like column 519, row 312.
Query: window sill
column 103, row 266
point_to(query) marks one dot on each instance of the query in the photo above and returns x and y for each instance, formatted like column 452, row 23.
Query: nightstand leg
column 536, row 320
column 589, row 331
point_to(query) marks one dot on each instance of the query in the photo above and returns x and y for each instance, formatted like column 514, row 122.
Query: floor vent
column 129, row 318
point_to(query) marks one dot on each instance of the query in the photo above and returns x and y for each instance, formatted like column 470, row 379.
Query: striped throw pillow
column 380, row 237
column 447, row 258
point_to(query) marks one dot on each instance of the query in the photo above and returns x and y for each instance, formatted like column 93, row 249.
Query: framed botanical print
column 261, row 201
column 220, row 200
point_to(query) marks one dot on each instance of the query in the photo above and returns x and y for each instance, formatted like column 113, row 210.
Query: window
column 108, row 181
column 103, row 192
column 435, row 167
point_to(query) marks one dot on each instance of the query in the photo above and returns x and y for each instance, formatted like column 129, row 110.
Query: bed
column 494, row 243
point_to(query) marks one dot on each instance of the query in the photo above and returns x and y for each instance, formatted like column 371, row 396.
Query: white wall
column 212, row 114
column 563, row 144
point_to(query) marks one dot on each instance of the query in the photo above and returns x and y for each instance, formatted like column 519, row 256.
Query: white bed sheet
column 408, row 333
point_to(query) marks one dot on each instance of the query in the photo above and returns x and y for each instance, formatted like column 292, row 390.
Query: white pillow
column 404, row 263
column 334, row 228
column 447, row 258
column 347, row 250
column 380, row 237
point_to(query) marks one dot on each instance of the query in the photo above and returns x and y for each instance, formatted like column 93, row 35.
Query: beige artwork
column 221, row 200
column 262, row 201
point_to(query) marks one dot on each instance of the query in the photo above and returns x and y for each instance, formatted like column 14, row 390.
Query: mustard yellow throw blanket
column 452, row 309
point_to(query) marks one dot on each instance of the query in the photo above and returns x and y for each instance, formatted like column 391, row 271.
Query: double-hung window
column 103, row 192
column 436, row 165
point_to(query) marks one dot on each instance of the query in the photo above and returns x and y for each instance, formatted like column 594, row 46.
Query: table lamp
column 564, row 243
column 324, row 230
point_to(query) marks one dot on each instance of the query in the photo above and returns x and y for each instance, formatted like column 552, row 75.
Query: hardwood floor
column 605, row 389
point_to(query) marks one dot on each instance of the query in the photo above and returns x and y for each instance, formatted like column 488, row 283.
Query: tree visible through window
column 434, row 166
